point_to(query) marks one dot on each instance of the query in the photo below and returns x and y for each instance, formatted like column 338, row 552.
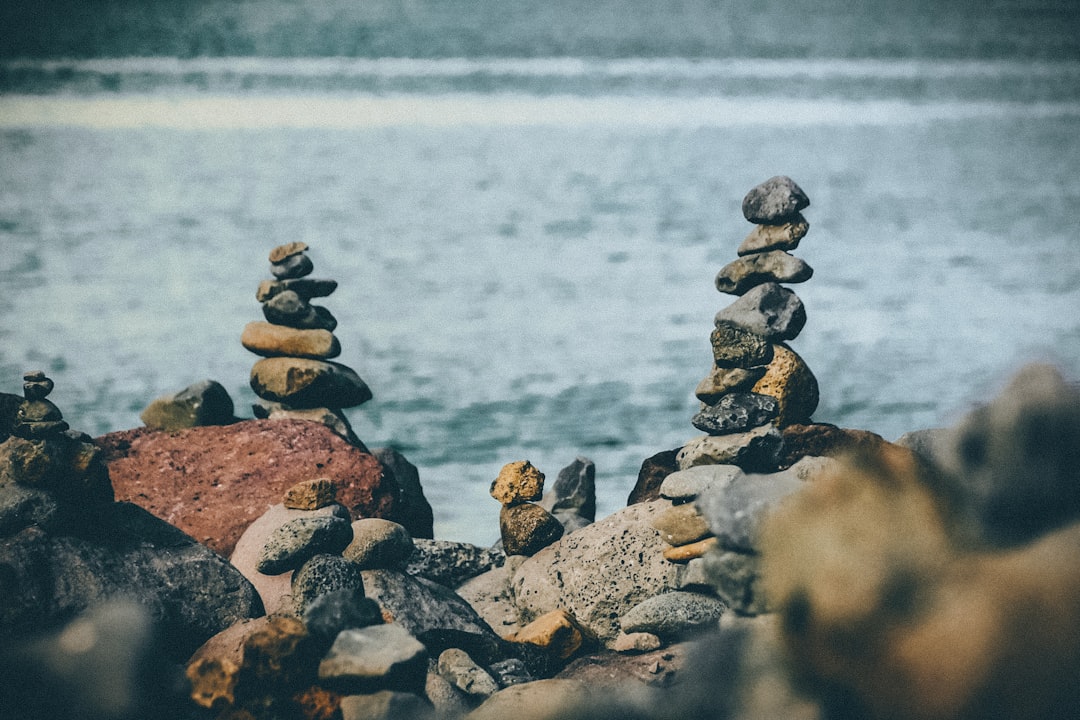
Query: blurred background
column 525, row 205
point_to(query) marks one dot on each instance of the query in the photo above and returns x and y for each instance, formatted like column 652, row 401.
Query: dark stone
column 527, row 528
column 774, row 201
column 574, row 490
column 292, row 267
column 451, row 563
column 299, row 540
column 72, row 471
column 190, row 592
column 769, row 310
column 736, row 346
column 736, row 412
column 322, row 574
column 206, row 402
column 36, row 386
column 511, row 671
column 289, row 309
column 337, row 610
column 21, row 507
column 9, row 409
column 739, row 276
column 305, row 288
column 825, row 440
column 414, row 510
column 434, row 614
column 365, row 660
column 651, row 476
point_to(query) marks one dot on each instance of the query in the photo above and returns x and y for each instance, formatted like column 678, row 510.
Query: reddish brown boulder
column 212, row 482
column 651, row 476
column 823, row 439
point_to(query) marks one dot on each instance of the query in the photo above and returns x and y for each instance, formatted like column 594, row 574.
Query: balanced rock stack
column 525, row 526
column 297, row 342
column 757, row 383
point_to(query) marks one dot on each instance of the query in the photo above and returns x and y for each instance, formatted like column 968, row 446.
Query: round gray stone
column 769, row 310
column 378, row 543
column 295, row 542
column 673, row 614
column 774, row 201
column 737, row 346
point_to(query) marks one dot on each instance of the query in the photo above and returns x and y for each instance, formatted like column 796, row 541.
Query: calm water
column 526, row 248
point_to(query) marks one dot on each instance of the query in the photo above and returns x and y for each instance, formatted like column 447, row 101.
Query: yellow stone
column 789, row 380
column 283, row 252
column 557, row 631
column 518, row 482
column 269, row 340
column 686, row 553
column 310, row 494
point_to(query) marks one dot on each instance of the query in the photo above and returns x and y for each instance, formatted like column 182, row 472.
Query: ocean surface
column 526, row 247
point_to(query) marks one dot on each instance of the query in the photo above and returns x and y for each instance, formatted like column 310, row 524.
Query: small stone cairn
column 757, row 384
column 295, row 376
column 525, row 526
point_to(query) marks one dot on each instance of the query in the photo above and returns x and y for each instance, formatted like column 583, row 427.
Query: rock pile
column 525, row 526
column 757, row 383
column 296, row 377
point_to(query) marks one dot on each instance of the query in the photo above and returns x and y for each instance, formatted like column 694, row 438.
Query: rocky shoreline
column 205, row 566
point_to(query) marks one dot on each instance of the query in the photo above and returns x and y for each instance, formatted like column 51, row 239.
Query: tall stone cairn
column 296, row 377
column 757, row 383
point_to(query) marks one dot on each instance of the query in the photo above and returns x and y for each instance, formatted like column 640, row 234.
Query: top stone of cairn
column 774, row 201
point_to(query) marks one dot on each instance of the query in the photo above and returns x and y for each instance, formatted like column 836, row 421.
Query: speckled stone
column 310, row 494
column 774, row 201
column 735, row 412
column 737, row 346
column 283, row 252
column 378, row 543
column 322, row 574
column 769, row 310
column 674, row 614
column 295, row 542
column 518, row 482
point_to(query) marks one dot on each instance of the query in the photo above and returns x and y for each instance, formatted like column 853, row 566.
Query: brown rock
column 775, row 237
column 269, row 340
column 318, row 703
column 735, row 346
column 789, row 380
column 518, row 482
column 756, row 450
column 527, row 528
column 557, row 632
column 303, row 383
column 681, row 525
column 686, row 553
column 283, row 252
column 651, row 476
column 623, row 672
column 637, row 642
column 740, row 275
column 825, row 440
column 724, row 380
column 212, row 482
column 310, row 494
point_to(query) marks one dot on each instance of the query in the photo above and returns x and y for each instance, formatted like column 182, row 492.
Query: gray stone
column 294, row 266
column 736, row 412
column 769, row 310
column 204, row 403
column 637, row 642
column 756, row 450
column 774, row 201
column 694, row 577
column 735, row 511
column 673, row 614
column 379, row 657
column 571, row 521
column 322, row 574
column 378, row 543
column 414, row 509
column 301, row 539
column 775, row 237
column 330, row 417
column 190, row 592
column 527, row 528
column 685, row 485
column 21, row 507
column 1012, row 465
column 490, row 596
column 736, row 579
column 462, row 671
column 737, row 346
column 447, row 700
column 337, row 610
column 305, row 288
column 289, row 309
column 385, row 705
column 434, row 614
column 930, row 444
column 574, row 490
column 451, row 563
column 304, row 383
column 748, row 271
column 599, row 572
column 511, row 671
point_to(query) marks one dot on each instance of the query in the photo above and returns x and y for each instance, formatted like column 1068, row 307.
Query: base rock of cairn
column 296, row 375
column 757, row 384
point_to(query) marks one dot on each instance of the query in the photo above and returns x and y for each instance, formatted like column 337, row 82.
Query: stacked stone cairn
column 757, row 384
column 296, row 377
column 525, row 526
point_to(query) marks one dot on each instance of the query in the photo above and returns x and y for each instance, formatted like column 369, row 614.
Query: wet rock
column 331, row 612
column 379, row 657
column 415, row 512
column 297, row 541
column 736, row 412
column 789, row 380
column 378, row 543
column 526, row 528
column 463, row 673
column 310, row 494
column 775, row 237
column 769, row 310
column 302, row 383
column 173, row 474
column 651, row 475
column 737, row 346
column 749, row 271
column 451, row 563
column 756, row 450
column 723, row 380
column 735, row 511
column 673, row 615
column 322, row 574
column 599, row 572
column 270, row 340
column 774, row 202
column 204, row 403
column 518, row 482
column 290, row 310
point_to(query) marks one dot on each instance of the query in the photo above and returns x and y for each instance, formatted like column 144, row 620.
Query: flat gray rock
column 674, row 614
column 756, row 450
column 456, row 666
column 736, row 412
column 451, row 563
column 574, row 491
column 748, row 271
column 300, row 539
column 774, row 201
column 769, row 310
column 685, row 485
column 379, row 657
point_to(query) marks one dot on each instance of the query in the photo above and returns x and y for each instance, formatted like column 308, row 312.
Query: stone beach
column 276, row 567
